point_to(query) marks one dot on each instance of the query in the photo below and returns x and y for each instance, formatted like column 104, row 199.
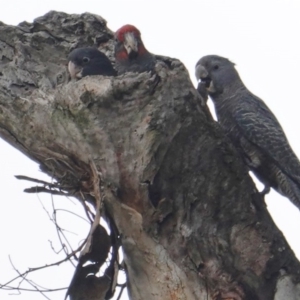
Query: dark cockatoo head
column 216, row 73
column 89, row 61
column 130, row 52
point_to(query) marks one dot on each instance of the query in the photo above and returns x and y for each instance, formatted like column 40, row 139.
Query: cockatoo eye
column 86, row 60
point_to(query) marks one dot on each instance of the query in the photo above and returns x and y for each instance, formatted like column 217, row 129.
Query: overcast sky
column 261, row 37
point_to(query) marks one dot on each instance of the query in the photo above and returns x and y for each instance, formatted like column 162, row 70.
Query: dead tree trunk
column 191, row 222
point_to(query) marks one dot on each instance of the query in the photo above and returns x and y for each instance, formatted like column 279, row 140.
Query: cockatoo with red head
column 130, row 52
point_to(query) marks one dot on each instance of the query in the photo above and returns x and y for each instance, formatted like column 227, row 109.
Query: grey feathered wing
column 259, row 126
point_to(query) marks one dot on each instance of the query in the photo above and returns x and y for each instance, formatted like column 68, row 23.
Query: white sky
column 261, row 37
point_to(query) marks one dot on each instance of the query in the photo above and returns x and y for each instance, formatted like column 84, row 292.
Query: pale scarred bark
column 191, row 221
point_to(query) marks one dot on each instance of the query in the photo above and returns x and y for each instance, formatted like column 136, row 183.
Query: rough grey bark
column 191, row 221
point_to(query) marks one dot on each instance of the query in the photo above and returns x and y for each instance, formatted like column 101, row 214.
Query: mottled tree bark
column 191, row 221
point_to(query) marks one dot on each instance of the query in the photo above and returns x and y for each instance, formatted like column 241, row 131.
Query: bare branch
column 23, row 276
column 60, row 232
column 10, row 288
column 40, row 189
column 123, row 286
column 99, row 199
column 68, row 257
column 22, row 177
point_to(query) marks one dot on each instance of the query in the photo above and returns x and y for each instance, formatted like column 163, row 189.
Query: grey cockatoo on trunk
column 251, row 126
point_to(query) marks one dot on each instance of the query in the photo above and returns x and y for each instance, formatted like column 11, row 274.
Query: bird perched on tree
column 252, row 127
column 130, row 52
column 89, row 61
